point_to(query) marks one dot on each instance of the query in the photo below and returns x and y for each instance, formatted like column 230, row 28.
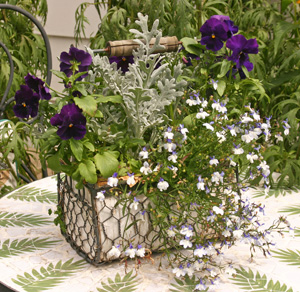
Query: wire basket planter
column 93, row 227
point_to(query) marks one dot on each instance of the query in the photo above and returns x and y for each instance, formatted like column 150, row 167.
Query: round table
column 35, row 257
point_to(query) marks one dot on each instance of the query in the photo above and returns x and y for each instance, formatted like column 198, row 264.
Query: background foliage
column 275, row 25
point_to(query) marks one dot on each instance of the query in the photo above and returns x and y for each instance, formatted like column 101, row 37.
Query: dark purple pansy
column 241, row 47
column 122, row 62
column 70, row 121
column 38, row 86
column 231, row 28
column 74, row 62
column 27, row 103
column 214, row 33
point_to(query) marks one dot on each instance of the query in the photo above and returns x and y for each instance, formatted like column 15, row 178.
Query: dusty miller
column 147, row 88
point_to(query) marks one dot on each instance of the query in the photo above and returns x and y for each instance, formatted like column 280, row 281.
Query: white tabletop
column 34, row 256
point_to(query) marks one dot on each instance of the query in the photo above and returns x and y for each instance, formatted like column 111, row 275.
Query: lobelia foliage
column 176, row 134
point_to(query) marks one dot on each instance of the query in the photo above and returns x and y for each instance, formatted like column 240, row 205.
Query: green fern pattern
column 30, row 194
column 21, row 220
column 293, row 210
column 126, row 284
column 288, row 256
column 187, row 285
column 277, row 191
column 16, row 247
column 48, row 277
column 250, row 282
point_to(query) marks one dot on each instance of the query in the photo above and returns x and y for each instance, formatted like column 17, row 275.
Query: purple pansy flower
column 241, row 47
column 70, row 121
column 231, row 28
column 27, row 103
column 74, row 62
column 122, row 62
column 214, row 33
column 38, row 86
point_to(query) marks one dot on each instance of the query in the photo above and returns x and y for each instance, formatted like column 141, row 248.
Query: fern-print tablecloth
column 35, row 257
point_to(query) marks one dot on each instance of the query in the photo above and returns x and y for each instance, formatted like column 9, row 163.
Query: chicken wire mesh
column 93, row 226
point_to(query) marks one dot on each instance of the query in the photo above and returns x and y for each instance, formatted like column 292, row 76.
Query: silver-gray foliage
column 147, row 88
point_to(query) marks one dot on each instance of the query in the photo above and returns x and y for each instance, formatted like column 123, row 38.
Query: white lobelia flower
column 247, row 137
column 134, row 205
column 144, row 153
column 186, row 230
column 214, row 161
column 179, row 272
column 226, row 233
column 201, row 286
column 278, row 138
column 221, row 137
column 237, row 149
column 200, row 251
column 140, row 252
column 185, row 243
column 232, row 130
column 251, row 157
column 222, row 109
column 145, row 169
column 214, row 84
column 171, row 231
column 216, row 105
column 202, row 114
column 170, row 146
column 286, row 127
column 183, row 131
column 198, row 265
column 162, row 185
column 209, row 126
column 218, row 210
column 130, row 252
column 173, row 157
column 200, row 184
column 130, row 180
column 264, row 168
column 238, row 233
column 100, row 195
column 204, row 103
column 114, row 253
column 217, row 177
column 255, row 115
column 169, row 134
column 246, row 119
column 113, row 180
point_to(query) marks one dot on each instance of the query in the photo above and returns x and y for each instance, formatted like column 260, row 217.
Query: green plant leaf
column 18, row 246
column 34, row 194
column 48, row 277
column 126, row 284
column 285, row 4
column 288, row 256
column 225, row 67
column 247, row 281
column 77, row 148
column 87, row 103
column 18, row 219
column 221, row 87
column 107, row 163
column 277, row 191
column 111, row 98
column 281, row 29
column 88, row 171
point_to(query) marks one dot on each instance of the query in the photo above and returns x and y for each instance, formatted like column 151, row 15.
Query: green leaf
column 107, row 163
column 225, row 67
column 288, row 256
column 285, row 4
column 18, row 219
column 111, row 98
column 88, row 171
column 48, row 277
column 126, row 284
column 59, row 74
column 87, row 103
column 32, row 194
column 281, row 30
column 54, row 162
column 89, row 146
column 221, row 87
column 17, row 246
column 77, row 148
column 248, row 282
